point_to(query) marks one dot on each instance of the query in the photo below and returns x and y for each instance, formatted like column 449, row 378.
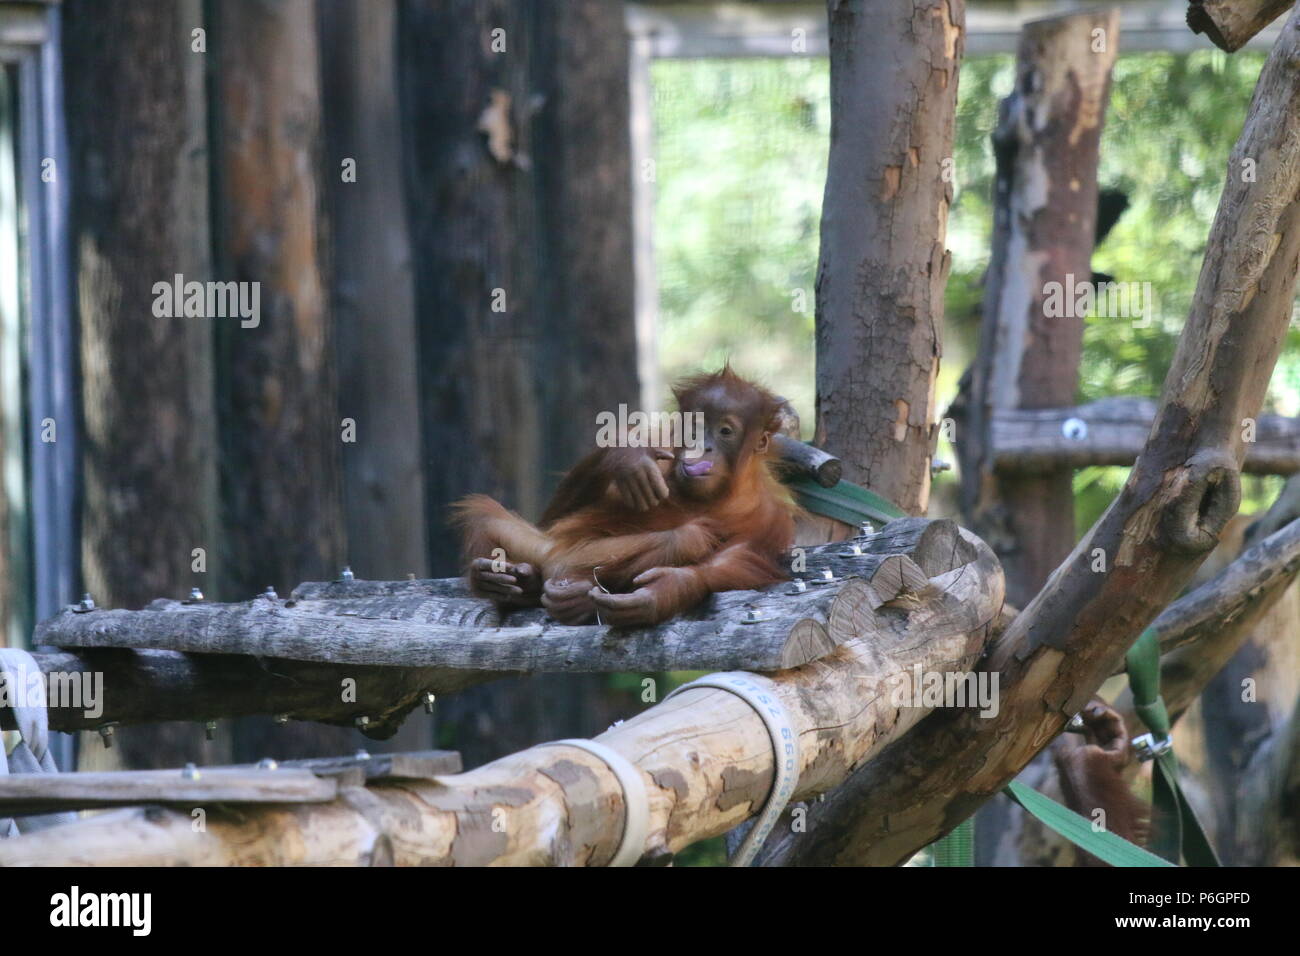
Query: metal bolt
column 210, row 729
column 106, row 733
column 270, row 593
column 1075, row 429
column 267, row 763
column 1149, row 747
column 800, row 585
column 752, row 616
column 362, row 755
column 196, row 594
column 86, row 604
column 867, row 528
column 1075, row 726
column 282, row 719
column 410, row 575
column 190, row 772
column 347, row 577
column 938, row 465
column 362, row 722
column 428, row 698
column 856, row 550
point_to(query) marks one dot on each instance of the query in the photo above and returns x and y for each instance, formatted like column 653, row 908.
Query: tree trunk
column 1045, row 202
column 518, row 181
column 137, row 126
column 280, row 426
column 883, row 264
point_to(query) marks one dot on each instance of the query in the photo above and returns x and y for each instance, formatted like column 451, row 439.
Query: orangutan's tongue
column 697, row 468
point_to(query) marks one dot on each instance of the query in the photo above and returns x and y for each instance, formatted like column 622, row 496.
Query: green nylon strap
column 1175, row 831
column 957, row 848
column 845, row 502
column 1102, row 844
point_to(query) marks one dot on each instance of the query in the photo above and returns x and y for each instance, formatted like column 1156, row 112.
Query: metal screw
column 800, row 585
column 190, row 772
column 428, row 698
column 281, row 719
column 752, row 616
column 362, row 755
column 1149, row 747
column 267, row 763
column 362, row 722
column 347, row 577
column 1075, row 429
column 196, row 594
column 106, row 733
column 210, row 729
column 270, row 593
column 856, row 550
column 867, row 528
column 1075, row 726
column 86, row 604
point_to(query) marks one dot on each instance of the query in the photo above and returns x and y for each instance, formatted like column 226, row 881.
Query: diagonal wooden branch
column 1182, row 490
column 1231, row 23
column 706, row 758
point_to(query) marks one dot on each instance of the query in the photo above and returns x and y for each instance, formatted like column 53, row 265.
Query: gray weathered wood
column 803, row 459
column 25, row 793
column 436, row 624
column 1115, row 429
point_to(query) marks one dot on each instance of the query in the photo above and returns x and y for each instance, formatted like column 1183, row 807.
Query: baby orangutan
column 637, row 535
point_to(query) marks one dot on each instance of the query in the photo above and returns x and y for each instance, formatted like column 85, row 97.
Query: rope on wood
column 24, row 694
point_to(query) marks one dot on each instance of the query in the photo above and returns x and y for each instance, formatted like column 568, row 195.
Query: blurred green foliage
column 740, row 168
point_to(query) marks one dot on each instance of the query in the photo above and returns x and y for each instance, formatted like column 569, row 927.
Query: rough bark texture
column 436, row 624
column 1045, row 201
column 137, row 136
column 1181, row 492
column 372, row 291
column 280, row 425
column 883, row 264
column 518, row 179
column 1231, row 23
column 706, row 757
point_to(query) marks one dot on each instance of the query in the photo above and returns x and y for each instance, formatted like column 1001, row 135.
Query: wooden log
column 799, row 458
column 437, row 625
column 1231, row 23
column 705, row 755
column 1046, row 146
column 1112, row 431
column 1181, row 492
column 26, row 793
column 314, row 780
column 149, row 686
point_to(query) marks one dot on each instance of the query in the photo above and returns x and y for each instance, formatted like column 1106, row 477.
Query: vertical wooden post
column 1045, row 202
column 883, row 264
column 137, row 126
column 518, row 181
column 372, row 292
column 281, row 429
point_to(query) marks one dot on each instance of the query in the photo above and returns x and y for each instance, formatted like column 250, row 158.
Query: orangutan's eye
column 726, row 431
